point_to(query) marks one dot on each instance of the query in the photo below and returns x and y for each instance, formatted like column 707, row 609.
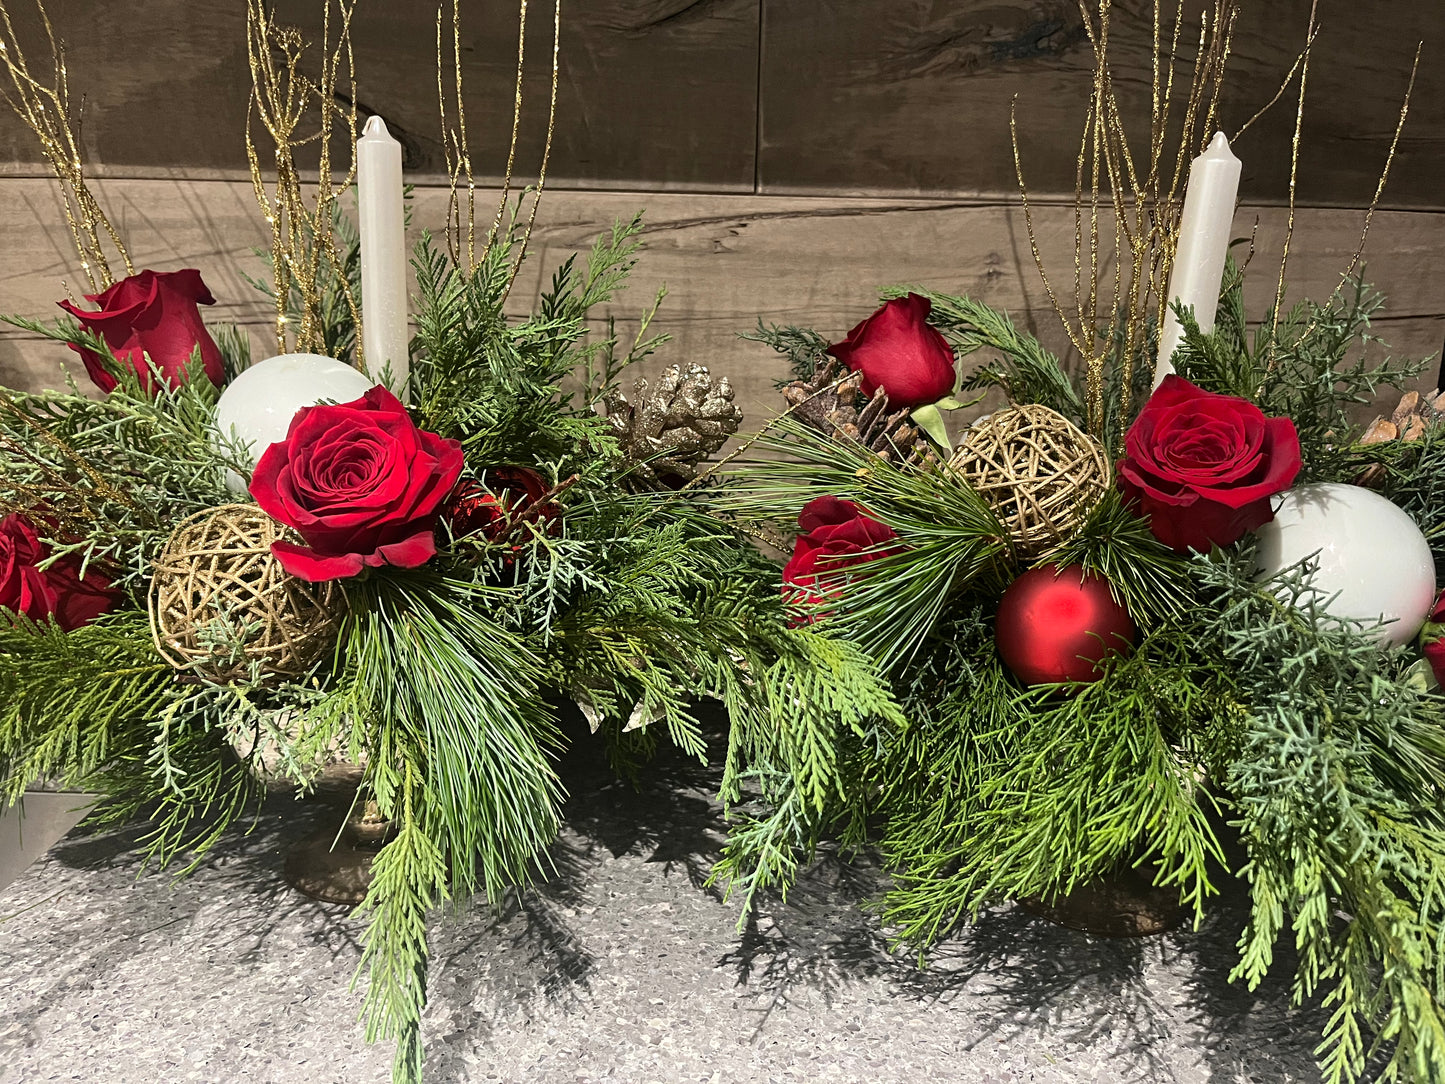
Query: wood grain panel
column 727, row 260
column 880, row 97
column 912, row 96
column 663, row 90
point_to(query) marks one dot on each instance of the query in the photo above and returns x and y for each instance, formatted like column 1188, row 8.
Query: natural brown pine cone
column 1411, row 418
column 1414, row 414
column 834, row 412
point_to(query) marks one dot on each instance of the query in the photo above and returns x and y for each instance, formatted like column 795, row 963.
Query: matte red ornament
column 1056, row 624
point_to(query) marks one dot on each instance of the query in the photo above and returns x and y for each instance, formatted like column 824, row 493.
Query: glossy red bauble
column 1056, row 624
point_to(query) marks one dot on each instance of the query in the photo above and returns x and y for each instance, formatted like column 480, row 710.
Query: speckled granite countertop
column 624, row 968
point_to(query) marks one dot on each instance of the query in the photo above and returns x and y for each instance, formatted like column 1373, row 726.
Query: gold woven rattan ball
column 222, row 604
column 1038, row 471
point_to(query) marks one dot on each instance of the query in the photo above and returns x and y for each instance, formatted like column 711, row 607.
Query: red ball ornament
column 1056, row 624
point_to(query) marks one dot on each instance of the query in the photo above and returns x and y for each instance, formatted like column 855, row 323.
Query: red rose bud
column 512, row 495
column 897, row 350
column 834, row 535
column 360, row 483
column 57, row 591
column 1204, row 466
column 154, row 314
column 473, row 510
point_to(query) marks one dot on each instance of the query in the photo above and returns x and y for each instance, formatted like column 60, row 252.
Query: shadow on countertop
column 651, row 846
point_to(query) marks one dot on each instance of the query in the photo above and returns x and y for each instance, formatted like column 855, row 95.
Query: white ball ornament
column 259, row 404
column 1372, row 557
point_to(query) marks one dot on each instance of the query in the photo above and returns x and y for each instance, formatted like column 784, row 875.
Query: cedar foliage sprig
column 98, row 709
column 1339, row 791
column 809, row 711
column 109, row 478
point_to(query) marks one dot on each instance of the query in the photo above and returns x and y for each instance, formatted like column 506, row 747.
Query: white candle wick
column 382, row 223
column 1204, row 228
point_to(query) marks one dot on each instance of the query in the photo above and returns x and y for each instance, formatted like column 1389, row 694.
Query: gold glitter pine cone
column 221, row 604
column 1038, row 471
column 671, row 424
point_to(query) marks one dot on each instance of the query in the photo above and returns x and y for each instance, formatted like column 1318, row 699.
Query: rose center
column 354, row 469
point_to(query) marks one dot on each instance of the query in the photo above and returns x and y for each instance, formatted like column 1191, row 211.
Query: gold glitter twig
column 1283, row 86
column 546, row 149
column 458, row 157
column 516, row 121
column 1299, row 117
column 1389, row 161
column 46, row 111
column 1374, row 202
column 1144, row 196
column 304, row 251
column 455, row 147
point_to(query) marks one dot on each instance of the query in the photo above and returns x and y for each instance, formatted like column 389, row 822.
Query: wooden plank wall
column 793, row 155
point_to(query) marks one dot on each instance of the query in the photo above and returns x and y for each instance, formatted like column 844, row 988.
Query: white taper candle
column 382, row 218
column 1204, row 229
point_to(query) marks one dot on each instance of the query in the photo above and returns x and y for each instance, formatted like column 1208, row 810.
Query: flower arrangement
column 1153, row 683
column 1144, row 608
column 1098, row 634
column 222, row 572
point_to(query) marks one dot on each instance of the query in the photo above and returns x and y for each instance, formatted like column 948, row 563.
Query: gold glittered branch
column 1389, row 161
column 304, row 251
column 516, row 121
column 455, row 146
column 1347, row 276
column 461, row 217
column 1111, row 311
column 45, row 108
column 546, row 147
column 1299, row 118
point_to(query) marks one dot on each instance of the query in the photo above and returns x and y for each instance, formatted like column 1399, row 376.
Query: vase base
column 335, row 866
column 329, row 869
column 1123, row 904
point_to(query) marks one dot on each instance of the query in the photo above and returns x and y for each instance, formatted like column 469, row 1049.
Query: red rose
column 58, row 590
column 361, row 484
column 153, row 314
column 1203, row 466
column 835, row 534
column 896, row 349
column 512, row 495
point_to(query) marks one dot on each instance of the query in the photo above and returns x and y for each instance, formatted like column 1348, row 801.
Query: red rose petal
column 411, row 552
column 306, row 564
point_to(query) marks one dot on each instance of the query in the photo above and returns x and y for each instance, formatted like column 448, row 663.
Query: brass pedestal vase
column 334, row 864
column 1123, row 903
